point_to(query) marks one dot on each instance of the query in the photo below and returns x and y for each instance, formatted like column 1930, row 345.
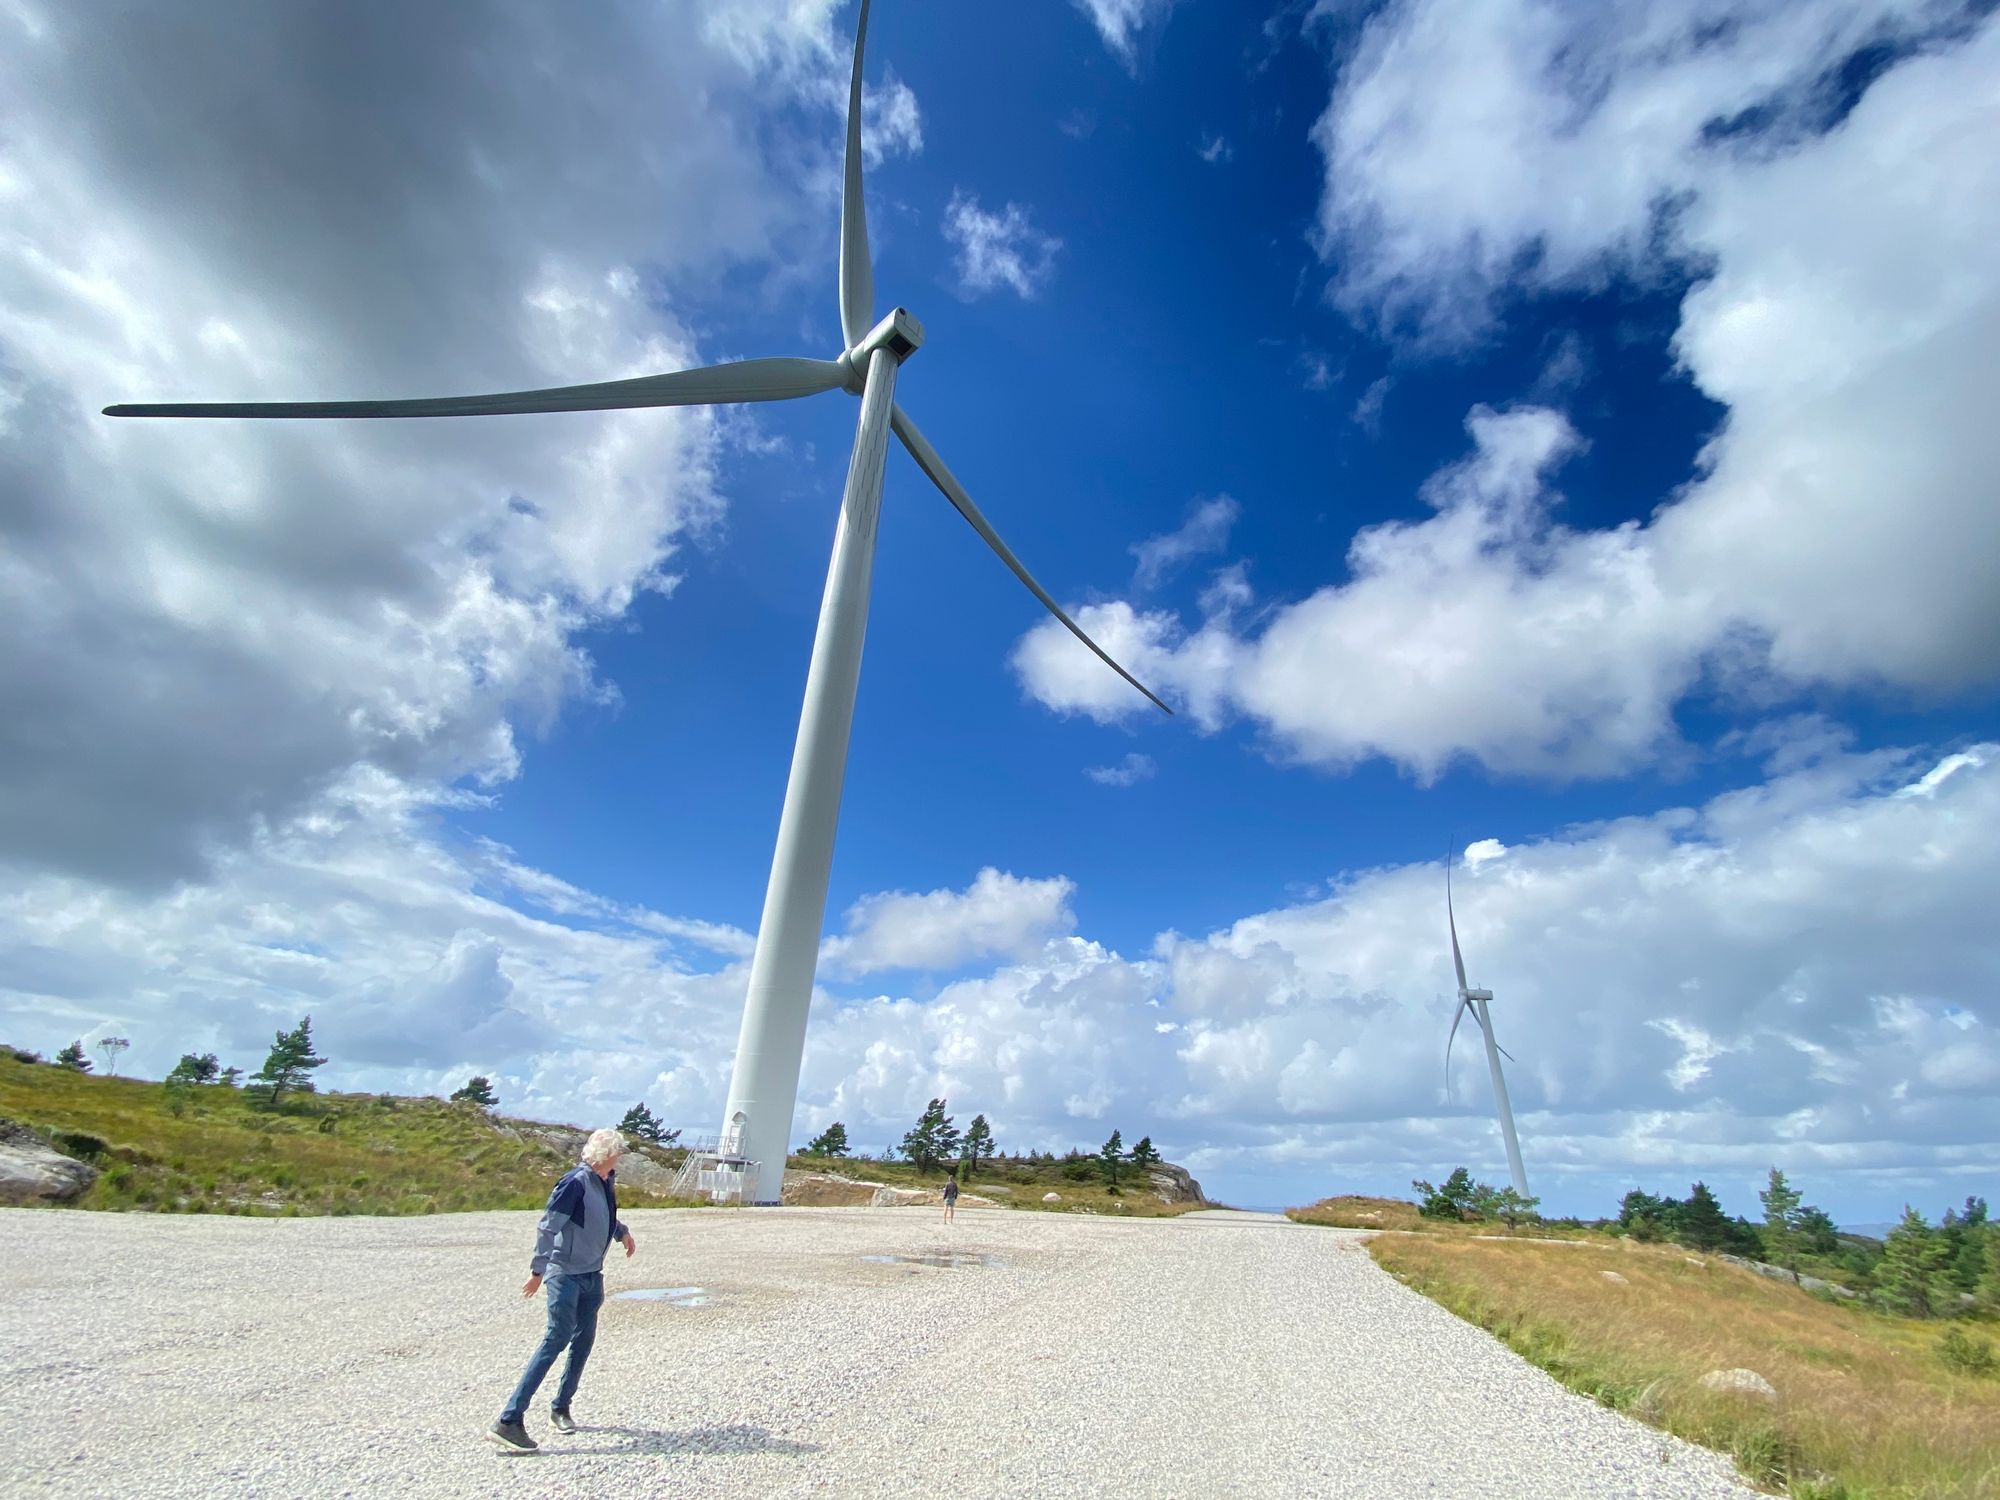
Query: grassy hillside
column 378, row 1154
column 326, row 1154
column 1868, row 1406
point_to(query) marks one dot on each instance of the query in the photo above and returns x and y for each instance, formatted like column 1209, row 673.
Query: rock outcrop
column 31, row 1170
column 1173, row 1184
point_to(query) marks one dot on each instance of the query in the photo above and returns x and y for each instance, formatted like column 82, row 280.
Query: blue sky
column 1546, row 435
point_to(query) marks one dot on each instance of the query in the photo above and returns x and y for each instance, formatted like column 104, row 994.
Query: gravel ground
column 1219, row 1354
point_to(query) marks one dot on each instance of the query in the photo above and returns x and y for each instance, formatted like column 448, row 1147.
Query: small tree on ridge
column 478, row 1090
column 289, row 1066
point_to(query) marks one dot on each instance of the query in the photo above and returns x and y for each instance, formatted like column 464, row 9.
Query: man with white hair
column 577, row 1229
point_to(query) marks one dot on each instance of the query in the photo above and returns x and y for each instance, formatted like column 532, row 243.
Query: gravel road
column 1216, row 1355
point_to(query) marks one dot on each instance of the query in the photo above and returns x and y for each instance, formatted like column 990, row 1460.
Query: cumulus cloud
column 998, row 915
column 1795, row 971
column 1121, row 23
column 214, row 623
column 1486, row 629
column 996, row 250
column 1837, row 531
column 1215, row 150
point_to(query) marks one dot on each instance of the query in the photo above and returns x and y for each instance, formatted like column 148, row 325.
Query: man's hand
column 532, row 1286
column 631, row 1244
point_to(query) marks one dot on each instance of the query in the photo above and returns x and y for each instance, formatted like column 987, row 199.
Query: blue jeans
column 573, row 1305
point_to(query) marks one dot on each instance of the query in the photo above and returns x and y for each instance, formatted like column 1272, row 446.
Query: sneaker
column 512, row 1437
column 563, row 1421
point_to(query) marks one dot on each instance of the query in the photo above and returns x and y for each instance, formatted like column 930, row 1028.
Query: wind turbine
column 1473, row 1002
column 757, row 1117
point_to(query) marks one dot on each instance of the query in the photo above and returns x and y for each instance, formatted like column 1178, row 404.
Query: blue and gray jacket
column 578, row 1226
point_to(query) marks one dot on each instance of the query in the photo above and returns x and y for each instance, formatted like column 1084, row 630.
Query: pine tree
column 1703, row 1225
column 1511, row 1208
column 1914, row 1277
column 478, row 1090
column 831, row 1141
column 230, row 1077
column 1457, row 1199
column 289, row 1066
column 1988, row 1289
column 1818, row 1234
column 1143, row 1154
column 192, row 1069
column 1967, row 1250
column 642, row 1122
column 1781, row 1223
column 932, row 1139
column 72, row 1057
column 111, row 1046
column 1108, row 1158
column 978, row 1143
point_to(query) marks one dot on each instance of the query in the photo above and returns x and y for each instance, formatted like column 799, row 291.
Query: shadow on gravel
column 649, row 1442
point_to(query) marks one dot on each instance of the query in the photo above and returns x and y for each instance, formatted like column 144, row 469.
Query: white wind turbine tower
column 1474, row 1002
column 757, row 1117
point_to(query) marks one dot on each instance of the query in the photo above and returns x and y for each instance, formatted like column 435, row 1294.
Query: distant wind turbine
column 757, row 1118
column 1473, row 1002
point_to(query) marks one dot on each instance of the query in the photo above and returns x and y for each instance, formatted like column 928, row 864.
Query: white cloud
column 1837, row 531
column 1485, row 630
column 1367, row 413
column 1215, row 150
column 1205, row 530
column 1470, row 147
column 891, row 123
column 997, row 916
column 1799, row 971
column 996, row 250
column 1130, row 771
column 1121, row 23
column 212, row 623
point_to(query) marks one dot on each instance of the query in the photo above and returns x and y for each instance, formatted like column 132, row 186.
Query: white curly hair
column 603, row 1146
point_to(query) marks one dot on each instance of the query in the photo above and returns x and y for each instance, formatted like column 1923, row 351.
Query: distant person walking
column 950, row 1196
column 577, row 1229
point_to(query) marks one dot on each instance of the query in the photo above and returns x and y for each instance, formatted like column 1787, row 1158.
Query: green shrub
column 1959, row 1351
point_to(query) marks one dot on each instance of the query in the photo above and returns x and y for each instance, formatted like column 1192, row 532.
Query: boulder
column 1172, row 1184
column 640, row 1173
column 1746, row 1382
column 1052, row 1197
column 1614, row 1276
column 31, row 1170
column 888, row 1197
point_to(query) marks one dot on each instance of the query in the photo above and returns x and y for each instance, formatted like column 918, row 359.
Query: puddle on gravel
column 679, row 1296
column 947, row 1259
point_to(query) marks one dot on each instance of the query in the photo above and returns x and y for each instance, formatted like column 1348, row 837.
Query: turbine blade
column 712, row 385
column 1457, row 962
column 928, row 460
column 1457, row 1016
column 857, row 276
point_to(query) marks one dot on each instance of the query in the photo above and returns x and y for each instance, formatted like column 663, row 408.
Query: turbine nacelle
column 899, row 333
column 1481, row 995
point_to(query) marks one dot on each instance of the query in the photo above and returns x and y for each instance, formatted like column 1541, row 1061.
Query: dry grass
column 1356, row 1211
column 1865, row 1409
